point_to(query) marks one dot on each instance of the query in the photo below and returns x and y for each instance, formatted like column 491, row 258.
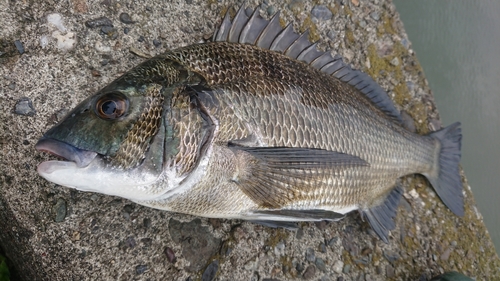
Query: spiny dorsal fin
column 248, row 27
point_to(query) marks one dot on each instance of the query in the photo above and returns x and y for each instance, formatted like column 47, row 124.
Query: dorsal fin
column 248, row 27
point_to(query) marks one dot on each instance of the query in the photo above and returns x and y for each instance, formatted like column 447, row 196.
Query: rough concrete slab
column 53, row 233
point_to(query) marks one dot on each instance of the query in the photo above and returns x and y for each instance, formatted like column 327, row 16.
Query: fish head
column 112, row 142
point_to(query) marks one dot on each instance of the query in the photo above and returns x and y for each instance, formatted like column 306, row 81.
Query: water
column 458, row 45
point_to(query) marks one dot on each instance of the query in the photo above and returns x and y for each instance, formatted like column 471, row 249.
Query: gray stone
column 320, row 264
column 140, row 269
column 125, row 18
column 322, row 247
column 321, row 12
column 210, row 271
column 391, row 256
column 250, row 265
column 19, row 46
column 24, row 106
column 405, row 43
column 197, row 242
column 279, row 250
column 337, row 266
column 310, row 255
column 299, row 234
column 271, row 10
column 325, row 278
column 60, row 210
column 110, row 31
column 130, row 242
column 98, row 22
column 333, row 241
column 389, row 271
column 300, row 267
column 170, row 255
column 310, row 272
column 363, row 261
column 332, row 34
column 446, row 254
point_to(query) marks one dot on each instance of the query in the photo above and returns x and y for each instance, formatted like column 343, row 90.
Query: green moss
column 313, row 30
column 224, row 10
column 276, row 236
column 401, row 94
column 349, row 37
column 283, row 23
column 346, row 258
column 386, row 25
column 4, row 271
column 380, row 64
column 376, row 63
column 296, row 7
column 469, row 232
column 286, row 262
column 414, row 68
column 334, row 9
column 418, row 113
column 348, row 11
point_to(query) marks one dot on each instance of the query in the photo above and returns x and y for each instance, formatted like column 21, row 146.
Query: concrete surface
column 52, row 233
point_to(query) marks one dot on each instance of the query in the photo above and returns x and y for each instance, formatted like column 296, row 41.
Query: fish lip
column 80, row 157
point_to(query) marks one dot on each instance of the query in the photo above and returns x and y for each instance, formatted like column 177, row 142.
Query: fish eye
column 111, row 106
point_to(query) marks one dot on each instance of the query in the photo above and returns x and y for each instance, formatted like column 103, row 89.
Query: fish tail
column 446, row 178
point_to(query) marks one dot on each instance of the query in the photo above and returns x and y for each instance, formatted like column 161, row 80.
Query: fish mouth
column 80, row 157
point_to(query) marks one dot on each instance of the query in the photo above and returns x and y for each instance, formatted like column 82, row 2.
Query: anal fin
column 381, row 218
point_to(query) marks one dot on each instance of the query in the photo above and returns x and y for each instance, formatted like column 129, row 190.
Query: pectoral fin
column 273, row 218
column 276, row 176
column 301, row 215
column 288, row 225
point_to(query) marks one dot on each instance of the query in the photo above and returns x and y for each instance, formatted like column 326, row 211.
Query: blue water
column 458, row 44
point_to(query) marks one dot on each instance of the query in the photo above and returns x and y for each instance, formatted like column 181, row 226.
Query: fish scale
column 256, row 125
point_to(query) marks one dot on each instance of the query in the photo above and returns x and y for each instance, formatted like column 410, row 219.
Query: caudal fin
column 446, row 178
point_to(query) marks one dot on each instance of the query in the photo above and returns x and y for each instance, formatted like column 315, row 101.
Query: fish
column 256, row 124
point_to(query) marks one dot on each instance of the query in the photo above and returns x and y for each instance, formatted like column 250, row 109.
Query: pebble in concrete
column 24, row 106
column 125, row 18
column 209, row 273
column 98, row 22
column 60, row 210
column 197, row 242
column 321, row 12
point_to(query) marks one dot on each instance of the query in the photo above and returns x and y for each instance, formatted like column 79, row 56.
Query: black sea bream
column 257, row 125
